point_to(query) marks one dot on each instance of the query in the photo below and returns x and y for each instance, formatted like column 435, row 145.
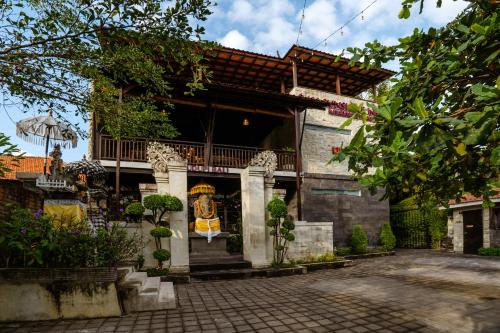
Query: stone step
column 136, row 278
column 152, row 285
column 166, row 297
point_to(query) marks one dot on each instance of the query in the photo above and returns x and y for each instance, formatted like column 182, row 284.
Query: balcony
column 196, row 153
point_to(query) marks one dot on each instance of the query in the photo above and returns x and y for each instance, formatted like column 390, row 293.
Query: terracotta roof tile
column 28, row 164
column 467, row 197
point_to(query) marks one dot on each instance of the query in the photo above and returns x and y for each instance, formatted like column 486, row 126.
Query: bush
column 134, row 211
column 359, row 241
column 326, row 257
column 172, row 204
column 489, row 251
column 32, row 240
column 281, row 226
column 161, row 255
column 161, row 232
column 277, row 208
column 343, row 251
column 154, row 202
column 235, row 243
column 387, row 238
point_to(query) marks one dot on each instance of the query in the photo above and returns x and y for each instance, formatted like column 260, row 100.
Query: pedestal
column 202, row 249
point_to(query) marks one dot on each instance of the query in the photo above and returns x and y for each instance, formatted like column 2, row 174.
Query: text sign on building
column 208, row 169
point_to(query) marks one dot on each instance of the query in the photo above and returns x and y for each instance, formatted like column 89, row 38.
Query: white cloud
column 240, row 11
column 448, row 11
column 236, row 40
column 279, row 34
column 320, row 19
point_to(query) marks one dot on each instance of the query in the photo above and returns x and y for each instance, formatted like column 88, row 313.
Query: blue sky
column 268, row 26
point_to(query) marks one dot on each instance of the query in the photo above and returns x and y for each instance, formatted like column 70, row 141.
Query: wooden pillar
column 298, row 163
column 118, row 156
column 337, row 85
column 294, row 72
column 209, row 136
column 374, row 92
column 283, row 88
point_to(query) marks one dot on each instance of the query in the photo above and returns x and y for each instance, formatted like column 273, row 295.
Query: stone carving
column 160, row 155
column 266, row 159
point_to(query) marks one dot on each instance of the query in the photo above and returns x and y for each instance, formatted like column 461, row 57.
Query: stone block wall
column 322, row 131
column 324, row 200
column 311, row 238
column 13, row 192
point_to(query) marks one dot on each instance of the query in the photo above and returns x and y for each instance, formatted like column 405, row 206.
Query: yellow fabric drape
column 65, row 214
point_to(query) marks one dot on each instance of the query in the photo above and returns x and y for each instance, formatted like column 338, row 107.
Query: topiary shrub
column 387, row 238
column 359, row 241
column 160, row 205
column 489, row 251
column 134, row 212
column 281, row 225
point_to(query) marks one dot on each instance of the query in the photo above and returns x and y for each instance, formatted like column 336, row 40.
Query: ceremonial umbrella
column 93, row 170
column 44, row 129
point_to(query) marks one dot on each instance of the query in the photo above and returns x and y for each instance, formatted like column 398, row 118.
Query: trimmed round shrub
column 161, row 255
column 387, row 238
column 154, row 201
column 172, row 203
column 277, row 208
column 359, row 240
column 135, row 210
column 161, row 232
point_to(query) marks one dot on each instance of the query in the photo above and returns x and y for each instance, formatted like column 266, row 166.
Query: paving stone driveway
column 414, row 291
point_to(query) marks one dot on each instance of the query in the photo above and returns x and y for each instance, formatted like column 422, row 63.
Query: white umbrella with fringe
column 43, row 130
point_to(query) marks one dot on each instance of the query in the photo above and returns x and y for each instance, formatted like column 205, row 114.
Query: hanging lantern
column 246, row 122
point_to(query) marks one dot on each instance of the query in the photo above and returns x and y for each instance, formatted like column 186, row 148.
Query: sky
column 272, row 27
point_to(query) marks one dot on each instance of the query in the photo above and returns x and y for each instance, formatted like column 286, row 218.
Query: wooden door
column 473, row 230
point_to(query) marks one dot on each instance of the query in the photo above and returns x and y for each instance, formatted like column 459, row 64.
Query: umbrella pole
column 46, row 152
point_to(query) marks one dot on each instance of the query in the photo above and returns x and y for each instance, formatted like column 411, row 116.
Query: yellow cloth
column 207, row 227
column 65, row 214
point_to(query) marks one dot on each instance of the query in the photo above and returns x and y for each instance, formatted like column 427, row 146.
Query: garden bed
column 369, row 255
column 313, row 266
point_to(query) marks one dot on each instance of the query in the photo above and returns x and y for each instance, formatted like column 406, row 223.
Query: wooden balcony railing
column 134, row 150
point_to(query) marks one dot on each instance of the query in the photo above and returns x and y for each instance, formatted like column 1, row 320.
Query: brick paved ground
column 411, row 292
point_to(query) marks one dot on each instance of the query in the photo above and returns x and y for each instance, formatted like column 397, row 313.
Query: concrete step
column 152, row 285
column 166, row 296
column 136, row 278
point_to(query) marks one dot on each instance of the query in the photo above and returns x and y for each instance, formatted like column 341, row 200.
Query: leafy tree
column 7, row 149
column 52, row 51
column 359, row 240
column 387, row 238
column 436, row 134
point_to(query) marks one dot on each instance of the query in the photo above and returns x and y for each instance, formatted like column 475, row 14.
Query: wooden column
column 294, row 72
column 298, row 163
column 337, row 85
column 209, row 136
column 374, row 92
column 283, row 88
column 118, row 156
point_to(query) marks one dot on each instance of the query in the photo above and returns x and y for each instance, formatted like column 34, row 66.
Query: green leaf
column 460, row 149
column 358, row 138
column 419, row 107
column 495, row 157
column 404, row 13
column 347, row 122
column 498, row 82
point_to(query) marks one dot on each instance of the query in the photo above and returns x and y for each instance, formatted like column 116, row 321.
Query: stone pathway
column 414, row 291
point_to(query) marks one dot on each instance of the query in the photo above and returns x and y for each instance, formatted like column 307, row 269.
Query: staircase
column 142, row 293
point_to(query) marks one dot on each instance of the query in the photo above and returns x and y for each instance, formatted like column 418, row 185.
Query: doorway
column 473, row 230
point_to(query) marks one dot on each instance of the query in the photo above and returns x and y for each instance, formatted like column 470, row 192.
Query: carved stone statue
column 266, row 159
column 55, row 164
column 160, row 155
column 205, row 211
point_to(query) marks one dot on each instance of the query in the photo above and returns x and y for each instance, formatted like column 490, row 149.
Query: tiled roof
column 470, row 198
column 28, row 164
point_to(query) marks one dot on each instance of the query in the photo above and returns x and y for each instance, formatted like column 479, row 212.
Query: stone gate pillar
column 268, row 196
column 254, row 216
column 170, row 172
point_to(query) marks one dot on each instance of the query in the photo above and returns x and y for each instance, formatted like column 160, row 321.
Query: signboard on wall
column 207, row 169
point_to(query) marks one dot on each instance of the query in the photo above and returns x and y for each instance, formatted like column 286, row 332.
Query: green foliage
column 325, row 257
column 160, row 204
column 152, row 272
column 134, row 211
column 161, row 232
column 51, row 51
column 489, row 251
column 343, row 251
column 277, row 208
column 281, row 225
column 161, row 255
column 234, row 243
column 359, row 240
column 387, row 238
column 436, row 131
column 7, row 148
column 32, row 240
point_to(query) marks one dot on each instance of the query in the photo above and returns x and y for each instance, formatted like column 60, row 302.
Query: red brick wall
column 13, row 192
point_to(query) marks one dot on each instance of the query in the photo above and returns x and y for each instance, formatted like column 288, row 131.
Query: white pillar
column 268, row 196
column 253, row 216
column 486, row 227
column 458, row 231
column 179, row 242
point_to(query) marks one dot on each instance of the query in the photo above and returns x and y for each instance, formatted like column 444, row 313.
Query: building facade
column 292, row 105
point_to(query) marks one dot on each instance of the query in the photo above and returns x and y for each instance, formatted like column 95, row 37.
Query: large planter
column 43, row 294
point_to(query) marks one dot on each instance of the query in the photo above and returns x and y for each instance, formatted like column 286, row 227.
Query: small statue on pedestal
column 205, row 211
